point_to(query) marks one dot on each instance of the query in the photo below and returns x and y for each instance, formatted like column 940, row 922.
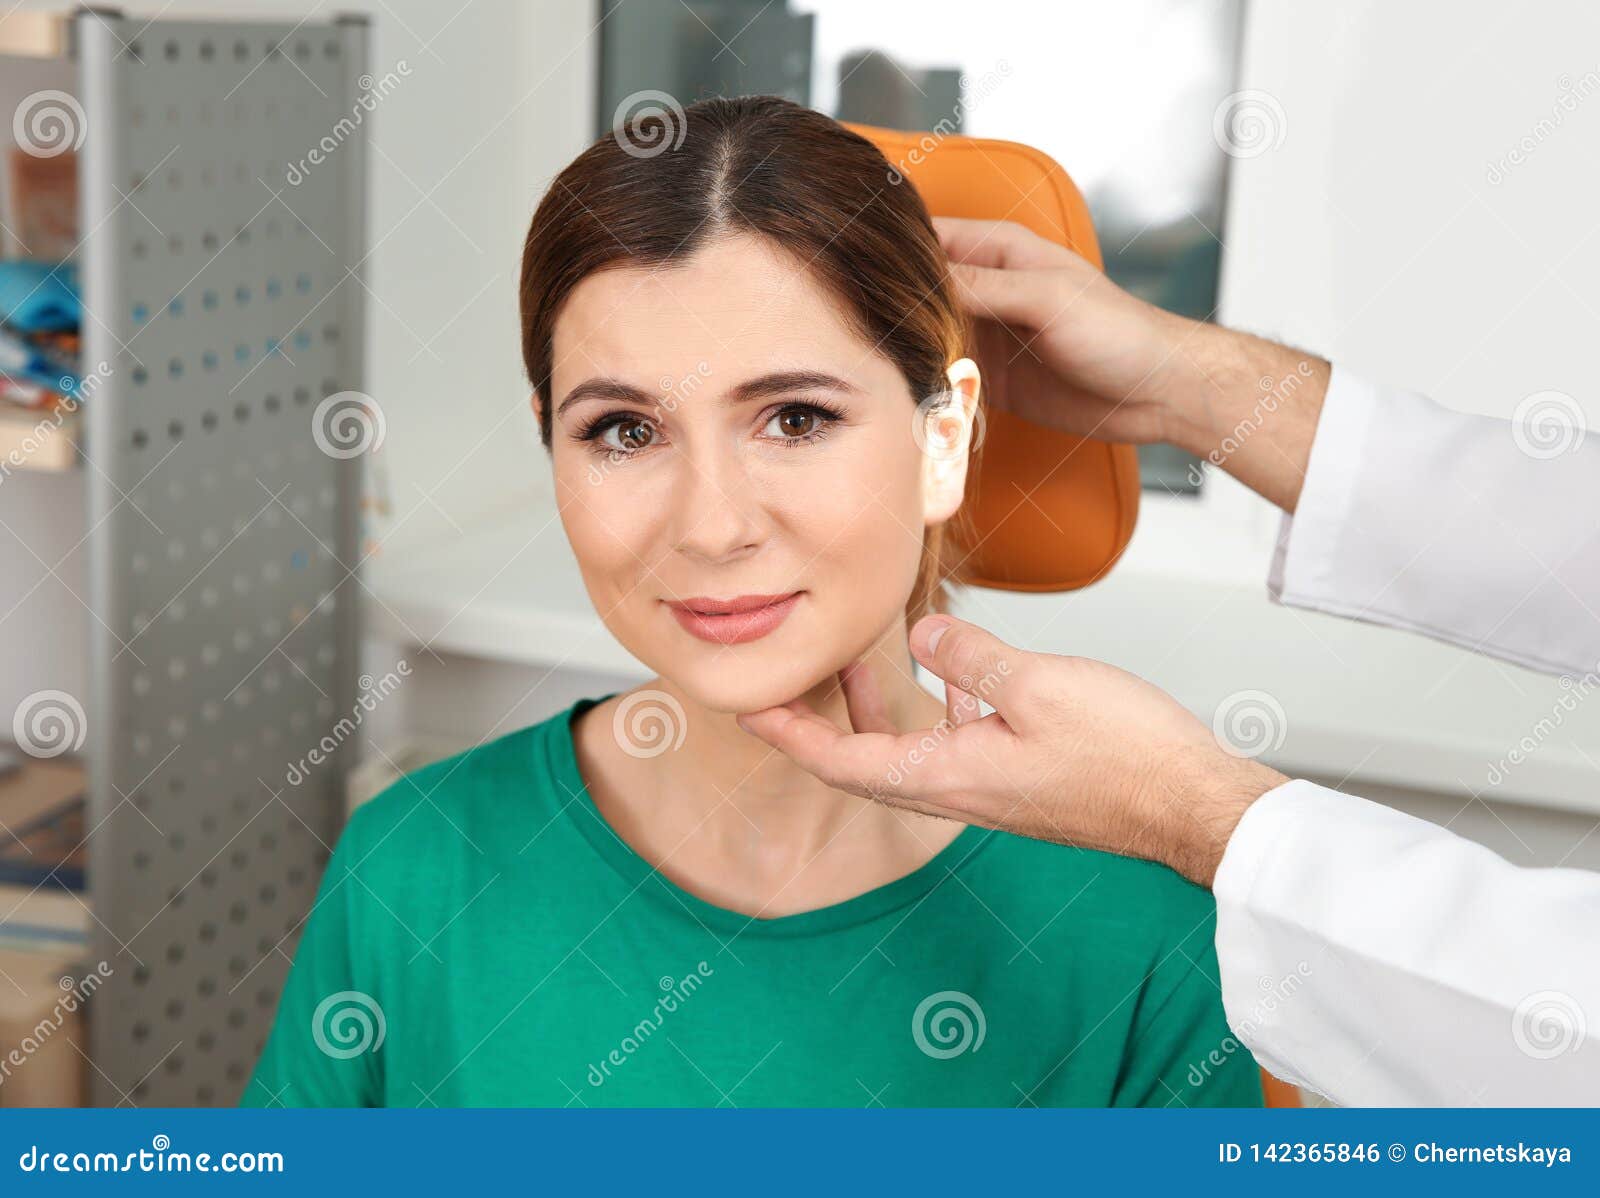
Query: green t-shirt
column 482, row 938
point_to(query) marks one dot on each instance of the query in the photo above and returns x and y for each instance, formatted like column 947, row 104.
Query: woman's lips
column 734, row 621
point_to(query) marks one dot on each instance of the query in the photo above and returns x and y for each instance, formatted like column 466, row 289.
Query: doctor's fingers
column 869, row 712
column 976, row 665
column 937, row 771
column 1029, row 298
column 999, row 243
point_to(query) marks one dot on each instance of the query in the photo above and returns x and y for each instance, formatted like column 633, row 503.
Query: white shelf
column 508, row 590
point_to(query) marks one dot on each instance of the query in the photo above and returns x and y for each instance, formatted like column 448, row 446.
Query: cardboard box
column 44, row 1041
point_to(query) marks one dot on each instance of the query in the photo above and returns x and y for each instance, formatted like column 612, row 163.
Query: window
column 1126, row 96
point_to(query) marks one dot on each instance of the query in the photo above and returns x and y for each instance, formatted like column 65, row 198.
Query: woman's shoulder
column 489, row 786
column 1085, row 887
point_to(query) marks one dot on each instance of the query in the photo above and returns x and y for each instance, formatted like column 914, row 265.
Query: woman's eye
column 801, row 422
column 631, row 435
column 796, row 422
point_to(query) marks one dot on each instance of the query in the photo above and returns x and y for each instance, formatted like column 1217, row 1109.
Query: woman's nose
column 715, row 507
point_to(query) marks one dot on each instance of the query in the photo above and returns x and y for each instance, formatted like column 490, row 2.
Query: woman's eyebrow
column 765, row 385
column 612, row 389
column 788, row 380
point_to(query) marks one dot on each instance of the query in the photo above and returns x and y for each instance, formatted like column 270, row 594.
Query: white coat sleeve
column 1470, row 529
column 1381, row 960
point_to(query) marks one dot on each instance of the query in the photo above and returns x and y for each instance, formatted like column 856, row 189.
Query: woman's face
column 722, row 437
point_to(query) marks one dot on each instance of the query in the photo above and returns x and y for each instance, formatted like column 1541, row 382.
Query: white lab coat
column 1373, row 957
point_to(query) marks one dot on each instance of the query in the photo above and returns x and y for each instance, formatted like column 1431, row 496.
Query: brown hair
column 653, row 192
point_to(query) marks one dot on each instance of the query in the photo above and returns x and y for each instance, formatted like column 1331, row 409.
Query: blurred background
column 1154, row 176
column 275, row 523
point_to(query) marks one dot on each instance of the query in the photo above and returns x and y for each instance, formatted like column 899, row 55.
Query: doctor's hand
column 1061, row 345
column 1076, row 752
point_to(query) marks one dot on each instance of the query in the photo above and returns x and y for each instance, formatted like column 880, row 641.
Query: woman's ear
column 948, row 426
column 538, row 414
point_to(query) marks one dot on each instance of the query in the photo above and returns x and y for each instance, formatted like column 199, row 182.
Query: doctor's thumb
column 969, row 658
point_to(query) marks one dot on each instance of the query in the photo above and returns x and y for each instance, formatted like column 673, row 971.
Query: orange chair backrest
column 1049, row 511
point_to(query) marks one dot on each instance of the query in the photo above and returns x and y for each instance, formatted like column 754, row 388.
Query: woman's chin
column 734, row 689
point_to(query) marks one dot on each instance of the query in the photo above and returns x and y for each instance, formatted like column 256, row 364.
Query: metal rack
column 225, row 302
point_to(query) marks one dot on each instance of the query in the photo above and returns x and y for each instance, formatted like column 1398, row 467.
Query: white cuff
column 1246, row 938
column 1308, row 540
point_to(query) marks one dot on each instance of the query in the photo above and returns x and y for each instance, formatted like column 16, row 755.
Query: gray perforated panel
column 223, row 536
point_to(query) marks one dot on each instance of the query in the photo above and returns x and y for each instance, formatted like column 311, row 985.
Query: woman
column 747, row 366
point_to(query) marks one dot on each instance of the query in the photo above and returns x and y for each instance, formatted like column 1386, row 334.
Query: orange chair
column 1050, row 511
column 1024, row 477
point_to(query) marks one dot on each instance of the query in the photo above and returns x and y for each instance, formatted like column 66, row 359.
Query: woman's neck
column 729, row 818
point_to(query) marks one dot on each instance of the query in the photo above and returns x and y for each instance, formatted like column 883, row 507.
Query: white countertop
column 1187, row 611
